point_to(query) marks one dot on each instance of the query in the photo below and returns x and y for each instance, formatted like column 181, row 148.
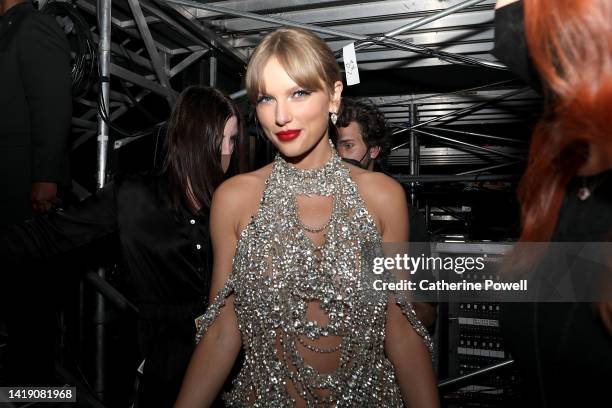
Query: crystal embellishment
column 278, row 274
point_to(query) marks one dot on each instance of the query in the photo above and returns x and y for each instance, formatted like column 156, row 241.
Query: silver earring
column 334, row 118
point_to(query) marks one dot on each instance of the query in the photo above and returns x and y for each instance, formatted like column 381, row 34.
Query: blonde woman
column 287, row 280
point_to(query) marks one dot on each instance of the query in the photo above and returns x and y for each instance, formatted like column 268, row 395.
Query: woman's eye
column 300, row 93
column 263, row 99
column 348, row 145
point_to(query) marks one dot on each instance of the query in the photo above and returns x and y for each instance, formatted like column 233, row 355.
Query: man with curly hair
column 362, row 135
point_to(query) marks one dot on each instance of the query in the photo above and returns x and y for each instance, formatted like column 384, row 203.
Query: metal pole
column 238, row 94
column 464, row 132
column 100, row 341
column 427, row 216
column 475, row 373
column 471, row 108
column 267, row 19
column 329, row 31
column 460, row 92
column 208, row 34
column 104, row 50
column 212, row 70
column 104, row 8
column 425, row 20
column 498, row 166
column 151, row 47
column 470, row 145
column 439, row 178
column 108, row 291
column 436, row 16
column 413, row 151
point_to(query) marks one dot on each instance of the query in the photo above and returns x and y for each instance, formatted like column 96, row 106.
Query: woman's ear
column 336, row 97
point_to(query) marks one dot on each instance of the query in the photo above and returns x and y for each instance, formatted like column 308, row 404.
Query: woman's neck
column 315, row 157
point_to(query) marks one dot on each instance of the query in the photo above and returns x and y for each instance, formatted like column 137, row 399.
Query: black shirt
column 563, row 350
column 165, row 251
column 511, row 44
column 167, row 256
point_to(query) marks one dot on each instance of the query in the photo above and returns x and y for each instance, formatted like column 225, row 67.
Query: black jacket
column 166, row 254
column 35, row 107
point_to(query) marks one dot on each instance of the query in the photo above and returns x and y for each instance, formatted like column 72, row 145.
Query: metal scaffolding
column 417, row 35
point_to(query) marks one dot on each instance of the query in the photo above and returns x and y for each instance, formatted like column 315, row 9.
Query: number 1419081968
column 37, row 394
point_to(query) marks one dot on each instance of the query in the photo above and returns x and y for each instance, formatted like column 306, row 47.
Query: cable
column 85, row 58
column 85, row 61
column 103, row 112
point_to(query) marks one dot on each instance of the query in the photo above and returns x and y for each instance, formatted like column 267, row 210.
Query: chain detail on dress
column 277, row 274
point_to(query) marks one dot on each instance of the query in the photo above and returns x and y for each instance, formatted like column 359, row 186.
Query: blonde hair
column 305, row 57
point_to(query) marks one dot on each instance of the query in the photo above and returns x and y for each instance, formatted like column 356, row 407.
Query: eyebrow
column 295, row 88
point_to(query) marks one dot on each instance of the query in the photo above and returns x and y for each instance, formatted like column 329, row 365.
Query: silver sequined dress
column 278, row 272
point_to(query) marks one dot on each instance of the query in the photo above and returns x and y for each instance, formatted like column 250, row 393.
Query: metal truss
column 388, row 34
column 463, row 27
column 385, row 40
column 409, row 34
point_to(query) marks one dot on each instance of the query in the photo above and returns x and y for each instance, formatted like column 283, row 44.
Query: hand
column 44, row 196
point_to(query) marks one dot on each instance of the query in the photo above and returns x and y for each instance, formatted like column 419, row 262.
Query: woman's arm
column 404, row 347
column 216, row 353
column 52, row 234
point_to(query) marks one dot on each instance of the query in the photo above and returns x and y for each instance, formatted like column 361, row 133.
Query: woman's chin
column 290, row 149
column 291, row 152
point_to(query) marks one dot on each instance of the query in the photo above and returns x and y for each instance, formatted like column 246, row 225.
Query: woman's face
column 230, row 133
column 293, row 118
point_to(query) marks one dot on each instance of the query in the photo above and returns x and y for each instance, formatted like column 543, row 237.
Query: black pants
column 28, row 308
column 167, row 345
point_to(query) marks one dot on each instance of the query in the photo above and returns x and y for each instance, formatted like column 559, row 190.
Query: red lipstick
column 288, row 135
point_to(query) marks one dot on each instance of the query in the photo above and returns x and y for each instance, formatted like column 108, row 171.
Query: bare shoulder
column 376, row 187
column 385, row 200
column 238, row 197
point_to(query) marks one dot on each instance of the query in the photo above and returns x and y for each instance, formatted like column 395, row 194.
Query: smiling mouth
column 288, row 135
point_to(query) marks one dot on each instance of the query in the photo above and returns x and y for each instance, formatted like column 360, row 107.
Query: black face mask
column 353, row 162
column 359, row 163
column 511, row 43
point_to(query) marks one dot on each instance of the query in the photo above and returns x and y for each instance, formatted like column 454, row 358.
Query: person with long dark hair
column 291, row 243
column 161, row 221
column 563, row 48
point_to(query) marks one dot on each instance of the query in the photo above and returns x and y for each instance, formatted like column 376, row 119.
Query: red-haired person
column 564, row 48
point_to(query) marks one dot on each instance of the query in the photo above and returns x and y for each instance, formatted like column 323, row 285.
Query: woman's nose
column 282, row 114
